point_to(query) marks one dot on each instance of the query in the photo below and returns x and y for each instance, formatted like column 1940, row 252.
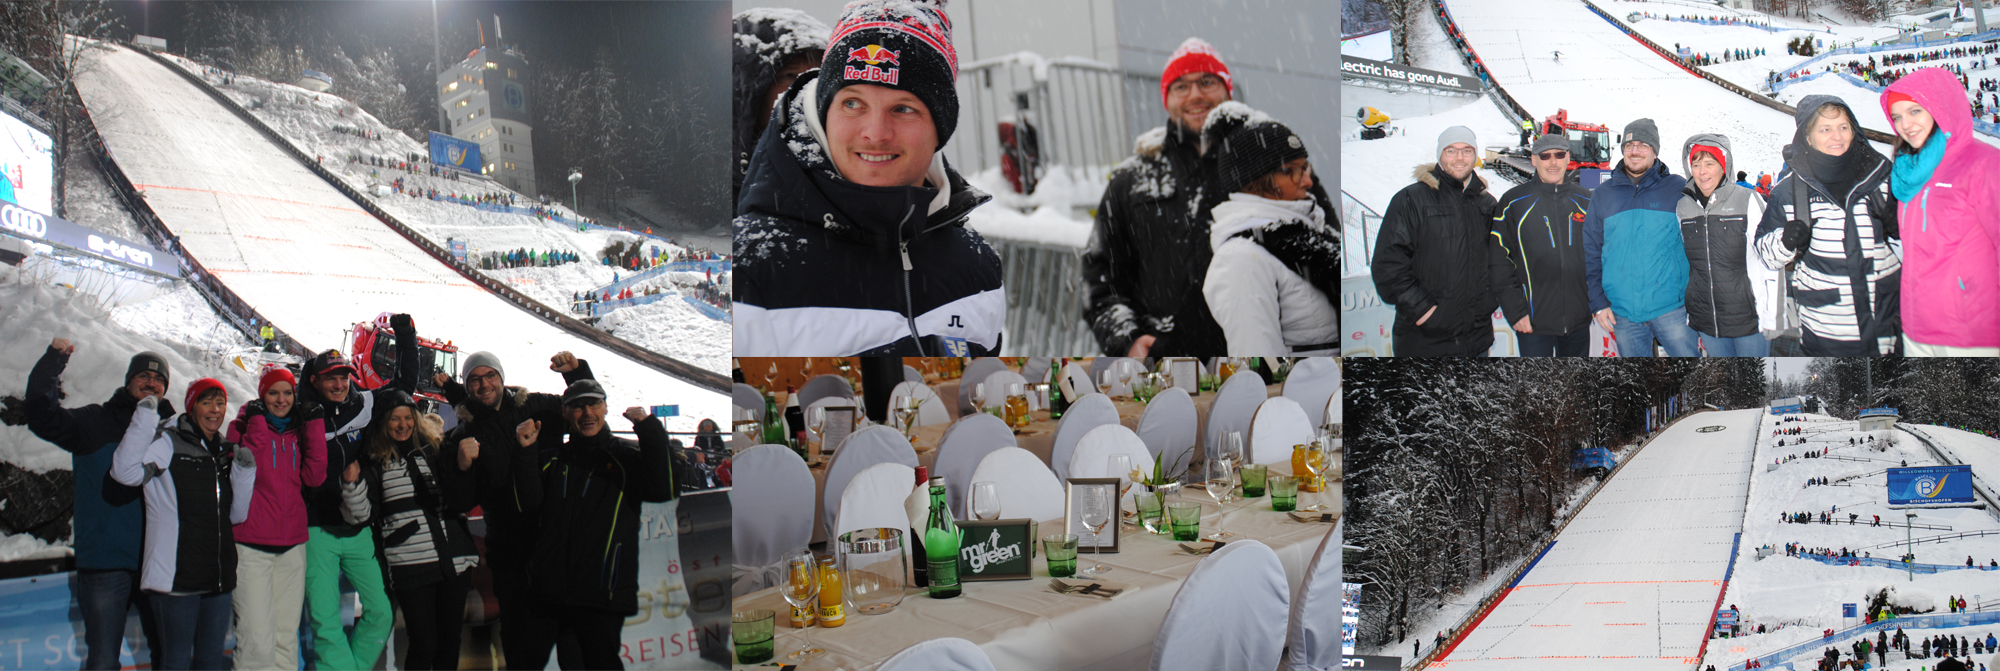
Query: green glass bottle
column 1056, row 402
column 941, row 545
column 774, row 423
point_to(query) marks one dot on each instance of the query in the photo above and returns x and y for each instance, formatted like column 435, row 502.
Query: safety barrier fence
column 1730, row 24
column 1776, row 659
column 1940, row 538
column 1045, row 298
column 667, row 365
column 1076, row 106
column 714, row 267
column 1858, row 523
column 1815, row 61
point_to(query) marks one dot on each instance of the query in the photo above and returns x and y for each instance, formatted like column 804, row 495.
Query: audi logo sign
column 117, row 250
column 23, row 221
column 1710, row 429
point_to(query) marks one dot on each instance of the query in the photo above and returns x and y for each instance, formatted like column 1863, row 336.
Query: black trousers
column 597, row 635
column 433, row 615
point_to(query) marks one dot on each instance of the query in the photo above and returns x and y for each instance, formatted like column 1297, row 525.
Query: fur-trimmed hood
column 518, row 394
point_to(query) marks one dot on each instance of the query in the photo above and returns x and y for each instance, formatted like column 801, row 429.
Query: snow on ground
column 1804, row 597
column 308, row 120
column 672, row 324
column 1635, row 574
column 1981, row 452
column 315, row 264
column 36, row 313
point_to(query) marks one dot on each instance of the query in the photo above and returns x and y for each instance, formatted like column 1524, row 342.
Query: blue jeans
column 1750, row 345
column 105, row 597
column 1635, row 339
column 1576, row 343
column 192, row 629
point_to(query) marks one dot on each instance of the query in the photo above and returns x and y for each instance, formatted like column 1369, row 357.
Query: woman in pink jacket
column 289, row 442
column 1949, row 216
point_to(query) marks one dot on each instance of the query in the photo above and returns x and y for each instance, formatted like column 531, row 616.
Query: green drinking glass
column 1284, row 493
column 752, row 630
column 1186, row 519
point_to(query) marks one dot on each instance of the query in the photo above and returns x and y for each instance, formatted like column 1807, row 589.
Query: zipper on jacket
column 909, row 305
column 221, row 519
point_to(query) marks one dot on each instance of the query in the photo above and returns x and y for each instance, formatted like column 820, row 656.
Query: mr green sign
column 996, row 550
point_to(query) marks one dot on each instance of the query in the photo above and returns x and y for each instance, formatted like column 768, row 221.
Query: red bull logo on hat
column 873, row 54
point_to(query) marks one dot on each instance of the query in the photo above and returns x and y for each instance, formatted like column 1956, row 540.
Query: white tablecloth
column 1023, row 625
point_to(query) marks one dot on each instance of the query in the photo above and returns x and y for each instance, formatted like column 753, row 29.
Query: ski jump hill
column 259, row 226
column 1633, row 579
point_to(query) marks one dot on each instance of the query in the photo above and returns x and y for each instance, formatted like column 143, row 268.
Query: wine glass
column 1096, row 514
column 816, row 424
column 1231, row 454
column 1221, row 479
column 985, row 503
column 1316, row 463
column 905, row 409
column 979, row 396
column 771, row 377
column 1121, row 468
column 801, row 589
column 805, row 370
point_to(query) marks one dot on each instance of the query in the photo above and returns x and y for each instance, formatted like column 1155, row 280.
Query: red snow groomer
column 1589, row 148
column 372, row 350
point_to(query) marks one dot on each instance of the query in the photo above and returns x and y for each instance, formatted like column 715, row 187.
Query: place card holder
column 1106, row 541
column 839, row 425
column 1186, row 372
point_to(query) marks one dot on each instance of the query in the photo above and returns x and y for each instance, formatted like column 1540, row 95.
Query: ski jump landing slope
column 1632, row 581
column 305, row 255
column 1607, row 77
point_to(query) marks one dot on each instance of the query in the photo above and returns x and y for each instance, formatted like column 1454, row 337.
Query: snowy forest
column 1963, row 393
column 1457, row 468
column 606, row 95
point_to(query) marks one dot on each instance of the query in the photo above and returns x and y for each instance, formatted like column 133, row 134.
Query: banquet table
column 1022, row 624
column 1038, row 437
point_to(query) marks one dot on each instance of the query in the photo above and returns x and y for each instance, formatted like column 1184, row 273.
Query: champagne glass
column 1096, row 514
column 801, row 589
column 985, row 501
column 1221, row 478
column 1316, row 463
column 1121, row 468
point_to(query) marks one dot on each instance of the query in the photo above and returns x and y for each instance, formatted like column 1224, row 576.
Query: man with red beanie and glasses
column 1149, row 246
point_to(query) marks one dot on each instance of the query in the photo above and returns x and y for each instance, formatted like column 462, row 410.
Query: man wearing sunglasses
column 1539, row 226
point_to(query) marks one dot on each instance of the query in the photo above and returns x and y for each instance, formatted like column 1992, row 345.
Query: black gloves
column 306, row 411
column 254, row 408
column 399, row 322
column 1797, row 235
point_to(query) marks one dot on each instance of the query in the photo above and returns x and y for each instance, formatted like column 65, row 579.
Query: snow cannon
column 1374, row 123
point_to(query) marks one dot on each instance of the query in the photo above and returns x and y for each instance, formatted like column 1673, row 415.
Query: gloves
column 306, row 411
column 1797, row 235
column 244, row 459
column 401, row 321
column 150, row 403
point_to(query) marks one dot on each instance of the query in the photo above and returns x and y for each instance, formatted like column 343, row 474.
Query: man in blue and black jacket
column 109, row 518
column 1633, row 230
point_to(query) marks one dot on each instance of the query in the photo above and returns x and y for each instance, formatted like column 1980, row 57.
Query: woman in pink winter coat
column 1949, row 216
column 289, row 442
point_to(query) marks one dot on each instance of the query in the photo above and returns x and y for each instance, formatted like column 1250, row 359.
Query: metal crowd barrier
column 1045, row 297
column 1082, row 110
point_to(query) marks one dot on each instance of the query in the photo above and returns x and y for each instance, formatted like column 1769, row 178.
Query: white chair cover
column 1036, row 368
column 1079, row 380
column 1168, row 429
column 965, row 445
column 1312, row 381
column 1229, row 614
column 911, row 374
column 1027, row 489
column 996, row 386
column 823, row 386
column 940, row 654
column 1087, row 413
column 1094, row 451
column 1234, row 405
column 875, row 498
column 1312, row 641
column 1333, row 406
column 932, row 411
column 867, row 447
column 770, row 513
column 1279, row 424
column 748, row 398
column 975, row 373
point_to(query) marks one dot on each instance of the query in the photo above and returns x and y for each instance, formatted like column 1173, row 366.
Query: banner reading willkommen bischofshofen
column 452, row 152
column 1930, row 484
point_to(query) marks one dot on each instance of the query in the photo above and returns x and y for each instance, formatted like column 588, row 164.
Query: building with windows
column 485, row 97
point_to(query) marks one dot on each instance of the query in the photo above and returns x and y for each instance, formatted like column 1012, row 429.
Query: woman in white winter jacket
column 1270, row 284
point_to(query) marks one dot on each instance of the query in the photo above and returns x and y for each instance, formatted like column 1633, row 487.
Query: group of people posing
column 1853, row 254
column 210, row 525
column 1213, row 239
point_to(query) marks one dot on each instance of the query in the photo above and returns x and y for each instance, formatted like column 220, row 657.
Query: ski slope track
column 1607, row 77
column 309, row 258
column 1633, row 580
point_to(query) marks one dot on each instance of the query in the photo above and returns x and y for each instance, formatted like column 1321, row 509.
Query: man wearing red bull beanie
column 850, row 231
column 1149, row 246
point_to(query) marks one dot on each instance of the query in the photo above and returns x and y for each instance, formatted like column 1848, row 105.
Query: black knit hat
column 1248, row 144
column 899, row 44
column 147, row 362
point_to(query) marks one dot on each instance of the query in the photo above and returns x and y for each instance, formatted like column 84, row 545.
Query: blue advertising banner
column 452, row 152
column 43, row 629
column 46, row 229
column 1930, row 484
column 1593, row 457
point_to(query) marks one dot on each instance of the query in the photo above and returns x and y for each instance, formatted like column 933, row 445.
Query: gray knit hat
column 479, row 359
column 1550, row 141
column 1455, row 135
column 1643, row 130
column 147, row 362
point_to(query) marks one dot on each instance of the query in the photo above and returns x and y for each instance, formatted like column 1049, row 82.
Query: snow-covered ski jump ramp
column 305, row 255
column 1632, row 581
column 1607, row 77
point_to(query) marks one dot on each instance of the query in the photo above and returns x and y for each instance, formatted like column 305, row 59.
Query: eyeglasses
column 1552, row 155
column 1298, row 173
column 1458, row 151
column 150, row 376
column 471, row 379
column 1207, row 83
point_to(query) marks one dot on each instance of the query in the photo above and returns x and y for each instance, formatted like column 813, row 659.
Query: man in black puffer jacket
column 584, row 569
column 1436, row 257
column 850, row 233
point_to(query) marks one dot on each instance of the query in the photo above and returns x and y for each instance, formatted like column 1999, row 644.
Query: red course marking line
column 1626, row 624
column 1624, row 582
column 245, row 195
